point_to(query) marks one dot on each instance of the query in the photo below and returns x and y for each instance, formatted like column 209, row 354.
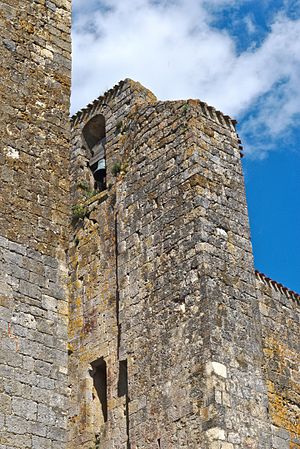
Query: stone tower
column 34, row 210
column 169, row 323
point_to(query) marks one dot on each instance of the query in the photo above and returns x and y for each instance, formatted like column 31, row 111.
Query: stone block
column 41, row 443
column 24, row 408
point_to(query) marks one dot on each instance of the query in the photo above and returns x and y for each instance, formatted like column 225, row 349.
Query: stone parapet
column 277, row 286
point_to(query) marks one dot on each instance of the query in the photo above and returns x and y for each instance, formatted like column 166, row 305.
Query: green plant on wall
column 119, row 127
column 91, row 193
column 185, row 108
column 88, row 193
column 116, row 168
column 83, row 185
column 79, row 211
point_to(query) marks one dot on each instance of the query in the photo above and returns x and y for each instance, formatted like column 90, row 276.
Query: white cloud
column 250, row 24
column 173, row 48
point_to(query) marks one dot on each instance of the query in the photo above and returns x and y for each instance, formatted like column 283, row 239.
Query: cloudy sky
column 242, row 57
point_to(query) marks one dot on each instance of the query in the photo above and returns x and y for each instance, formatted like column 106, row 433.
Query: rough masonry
column 131, row 313
column 34, row 213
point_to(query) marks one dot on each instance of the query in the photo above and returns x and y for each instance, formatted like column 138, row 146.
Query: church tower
column 165, row 344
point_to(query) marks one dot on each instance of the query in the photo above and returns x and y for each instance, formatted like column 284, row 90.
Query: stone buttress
column 34, row 213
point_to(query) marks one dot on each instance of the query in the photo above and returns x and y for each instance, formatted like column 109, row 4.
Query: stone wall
column 93, row 328
column 34, row 211
column 94, row 316
column 280, row 314
column 188, row 309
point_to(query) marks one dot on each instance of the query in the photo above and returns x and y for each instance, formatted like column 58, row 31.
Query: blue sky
column 241, row 56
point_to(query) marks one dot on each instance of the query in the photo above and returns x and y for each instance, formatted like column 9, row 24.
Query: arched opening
column 95, row 139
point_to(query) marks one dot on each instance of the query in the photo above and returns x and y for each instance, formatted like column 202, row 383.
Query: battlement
column 277, row 286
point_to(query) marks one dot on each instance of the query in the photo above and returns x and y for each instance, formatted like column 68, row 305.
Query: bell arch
column 94, row 135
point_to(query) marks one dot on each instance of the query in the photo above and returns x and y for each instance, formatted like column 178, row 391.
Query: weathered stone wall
column 280, row 314
column 34, row 210
column 188, row 309
column 93, row 328
column 94, row 315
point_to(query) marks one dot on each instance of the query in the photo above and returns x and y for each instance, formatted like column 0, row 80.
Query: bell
column 100, row 165
column 100, row 174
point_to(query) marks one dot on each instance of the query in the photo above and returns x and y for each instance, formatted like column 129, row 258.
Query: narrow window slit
column 123, row 379
column 123, row 391
column 99, row 375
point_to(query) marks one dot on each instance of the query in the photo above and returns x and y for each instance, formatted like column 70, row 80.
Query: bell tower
column 165, row 341
column 94, row 137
